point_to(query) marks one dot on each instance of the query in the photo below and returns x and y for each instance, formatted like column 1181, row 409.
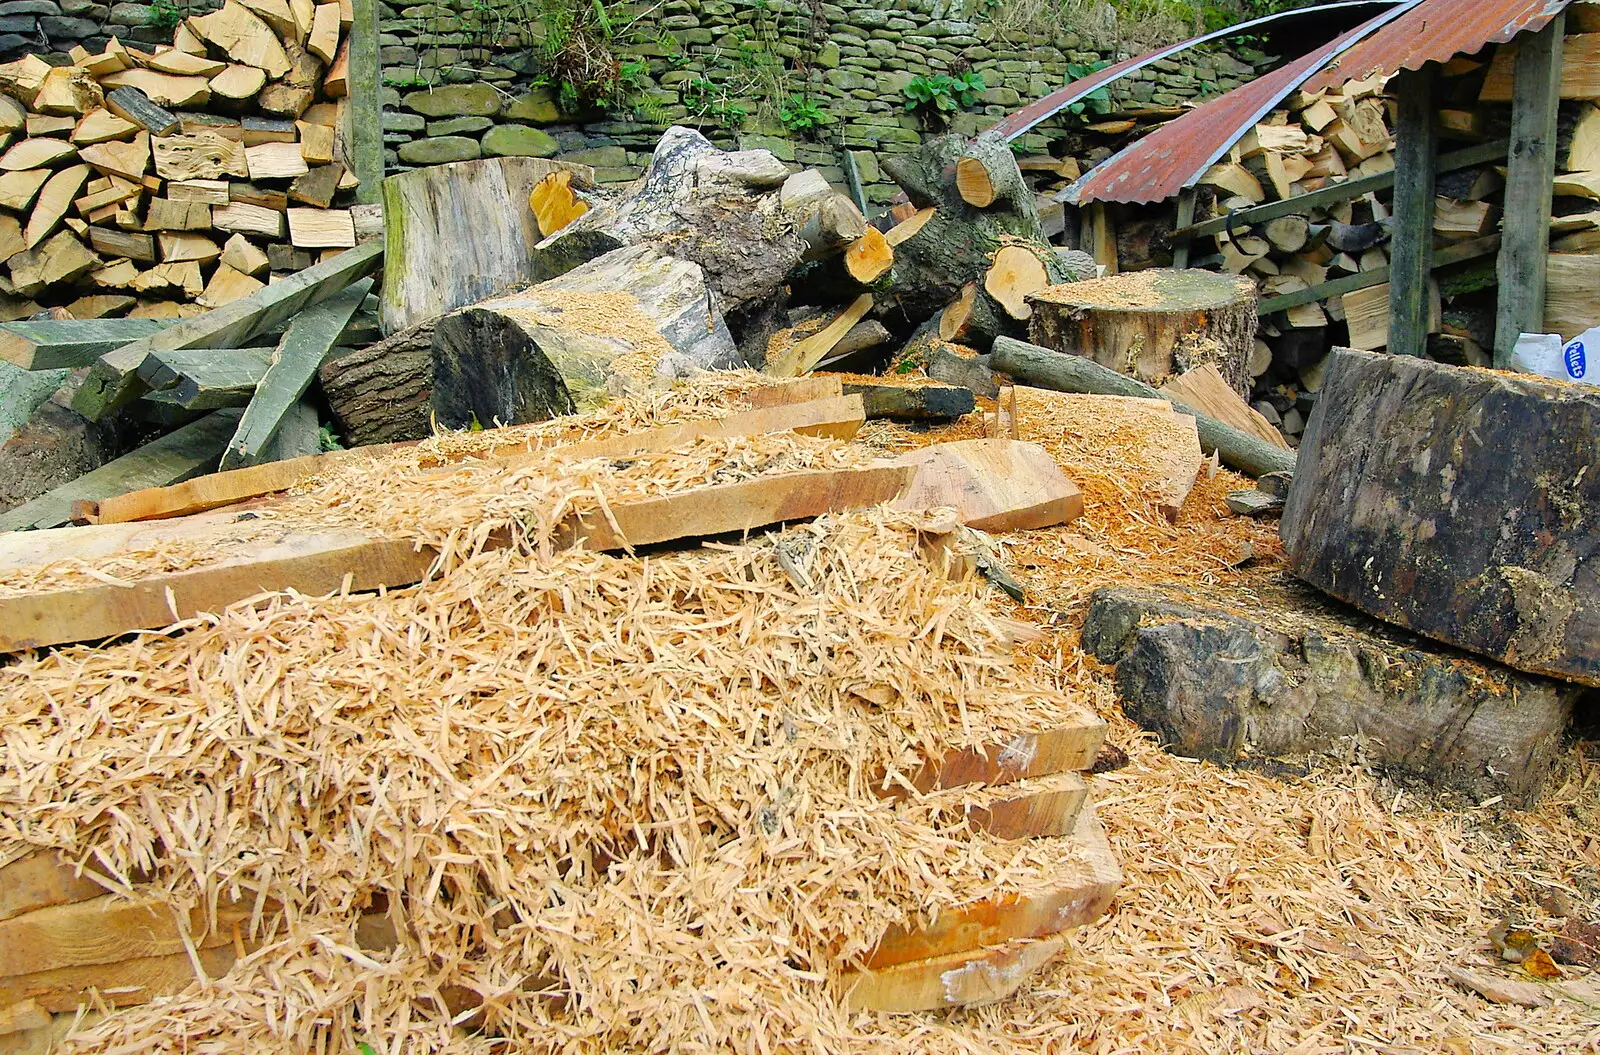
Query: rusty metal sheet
column 1177, row 155
column 1047, row 107
column 1436, row 31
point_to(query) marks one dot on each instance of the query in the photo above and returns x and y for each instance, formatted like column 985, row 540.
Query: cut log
column 133, row 105
column 241, row 218
column 957, row 243
column 162, row 89
column 18, row 189
column 189, row 451
column 55, row 198
column 621, row 320
column 321, row 228
column 275, row 161
column 37, row 153
column 318, row 186
column 59, row 258
column 179, row 247
column 227, row 285
column 243, row 37
column 300, row 352
column 1017, row 272
column 1458, row 221
column 129, row 160
column 423, row 217
column 164, row 214
column 202, row 155
column 237, row 84
column 908, row 227
column 1235, row 180
column 1075, row 373
column 1288, row 234
column 987, row 173
column 1580, row 70
column 555, row 204
column 243, row 256
column 869, row 258
column 1571, row 302
column 381, row 393
column 831, row 224
column 100, row 126
column 911, row 398
column 1152, row 324
column 68, row 92
column 1418, row 708
column 993, row 485
column 972, row 319
column 111, row 381
column 1370, row 484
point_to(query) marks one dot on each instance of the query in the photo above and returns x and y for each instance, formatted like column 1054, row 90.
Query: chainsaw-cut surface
column 993, row 485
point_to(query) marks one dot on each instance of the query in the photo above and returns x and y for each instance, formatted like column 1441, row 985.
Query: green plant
column 935, row 97
column 802, row 114
column 1096, row 102
column 165, row 14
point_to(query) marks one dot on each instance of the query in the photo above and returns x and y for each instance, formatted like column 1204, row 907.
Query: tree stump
column 612, row 325
column 457, row 234
column 1458, row 503
column 1152, row 325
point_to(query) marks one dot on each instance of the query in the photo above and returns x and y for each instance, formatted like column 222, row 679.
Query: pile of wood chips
column 622, row 797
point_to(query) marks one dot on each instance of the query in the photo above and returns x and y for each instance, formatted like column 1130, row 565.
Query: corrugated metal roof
column 1406, row 37
column 1047, row 107
column 1436, row 32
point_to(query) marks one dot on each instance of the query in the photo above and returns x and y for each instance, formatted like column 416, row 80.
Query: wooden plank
column 800, row 357
column 113, row 382
column 204, row 378
column 1088, row 877
column 838, row 417
column 1411, row 247
column 796, row 390
column 1205, row 389
column 1469, row 157
column 1041, row 809
column 40, row 880
column 320, row 561
column 1525, row 239
column 300, row 435
column 106, row 929
column 1025, row 756
column 300, row 352
column 964, row 979
column 121, row 984
column 179, row 455
column 992, row 484
column 50, row 344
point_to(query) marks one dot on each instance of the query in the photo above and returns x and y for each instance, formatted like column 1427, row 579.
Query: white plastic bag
column 1543, row 353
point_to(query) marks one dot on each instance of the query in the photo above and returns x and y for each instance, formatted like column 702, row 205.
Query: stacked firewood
column 159, row 185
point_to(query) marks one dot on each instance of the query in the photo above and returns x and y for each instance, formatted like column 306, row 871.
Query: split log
column 911, row 398
column 435, row 270
column 1501, row 575
column 568, row 344
column 1204, row 389
column 800, row 357
column 1152, row 324
column 974, row 319
column 1075, row 373
column 1017, row 272
column 1226, row 684
column 957, row 243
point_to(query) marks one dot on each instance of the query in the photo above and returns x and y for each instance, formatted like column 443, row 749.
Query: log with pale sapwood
column 1152, row 325
column 618, row 323
column 957, row 244
column 1454, row 502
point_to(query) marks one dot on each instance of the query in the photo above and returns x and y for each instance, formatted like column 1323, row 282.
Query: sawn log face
column 1457, row 503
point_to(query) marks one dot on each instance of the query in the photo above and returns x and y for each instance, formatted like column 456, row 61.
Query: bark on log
column 614, row 324
column 987, row 174
column 1153, row 325
column 1455, row 502
column 958, row 242
column 381, row 393
column 1063, row 372
column 722, row 211
column 457, row 234
column 1282, row 675
column 975, row 320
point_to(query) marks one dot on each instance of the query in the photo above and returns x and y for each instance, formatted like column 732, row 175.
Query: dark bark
column 379, row 394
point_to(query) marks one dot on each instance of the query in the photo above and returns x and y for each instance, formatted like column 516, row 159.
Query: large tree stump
column 569, row 344
column 1277, row 674
column 457, row 234
column 1458, row 503
column 1152, row 325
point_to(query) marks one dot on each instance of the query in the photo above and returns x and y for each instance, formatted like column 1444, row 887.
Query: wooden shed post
column 1411, row 249
column 1186, row 203
column 1530, row 171
column 366, row 102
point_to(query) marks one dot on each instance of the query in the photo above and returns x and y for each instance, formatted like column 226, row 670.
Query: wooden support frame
column 1180, row 248
column 1411, row 249
column 1536, row 94
column 366, row 102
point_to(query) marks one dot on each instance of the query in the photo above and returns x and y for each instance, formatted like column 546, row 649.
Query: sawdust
column 605, row 314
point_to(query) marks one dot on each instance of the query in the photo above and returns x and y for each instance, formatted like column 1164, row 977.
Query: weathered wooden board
column 40, row 880
column 120, row 984
column 1457, row 503
column 106, row 929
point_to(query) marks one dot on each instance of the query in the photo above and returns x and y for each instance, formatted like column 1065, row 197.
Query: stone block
column 129, row 14
column 63, row 27
column 519, row 141
column 30, row 7
column 537, row 107
column 399, row 122
column 1280, row 675
column 440, row 150
column 866, row 165
column 20, row 24
column 598, row 157
column 455, row 126
column 456, row 100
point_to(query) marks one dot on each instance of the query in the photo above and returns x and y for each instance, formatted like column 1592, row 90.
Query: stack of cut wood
column 161, row 184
